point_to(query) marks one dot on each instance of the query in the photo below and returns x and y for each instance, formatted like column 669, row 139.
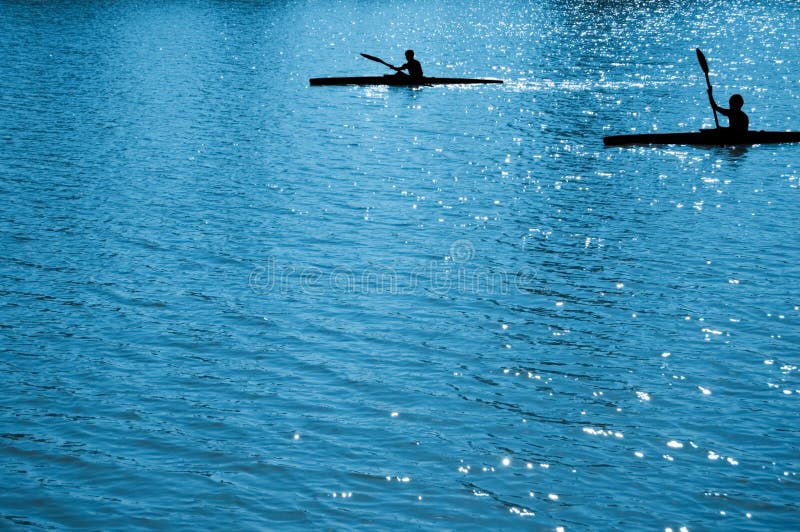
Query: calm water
column 231, row 300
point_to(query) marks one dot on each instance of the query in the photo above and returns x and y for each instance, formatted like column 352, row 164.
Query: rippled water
column 230, row 299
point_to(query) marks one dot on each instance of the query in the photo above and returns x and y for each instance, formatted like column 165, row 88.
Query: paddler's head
column 409, row 54
column 736, row 101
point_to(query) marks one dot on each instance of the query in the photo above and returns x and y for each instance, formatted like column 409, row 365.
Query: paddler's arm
column 711, row 98
column 714, row 104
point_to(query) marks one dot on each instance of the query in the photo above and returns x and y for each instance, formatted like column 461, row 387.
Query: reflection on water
column 232, row 297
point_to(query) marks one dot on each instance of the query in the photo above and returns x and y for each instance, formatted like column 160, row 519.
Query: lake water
column 234, row 301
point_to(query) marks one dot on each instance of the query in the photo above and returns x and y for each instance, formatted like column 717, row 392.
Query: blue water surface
column 234, row 301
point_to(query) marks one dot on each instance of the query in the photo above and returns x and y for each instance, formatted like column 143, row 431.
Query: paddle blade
column 377, row 59
column 373, row 58
column 702, row 60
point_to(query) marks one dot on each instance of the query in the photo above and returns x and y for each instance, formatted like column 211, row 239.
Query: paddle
column 704, row 65
column 378, row 60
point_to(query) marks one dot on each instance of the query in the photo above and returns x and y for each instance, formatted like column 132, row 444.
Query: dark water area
column 232, row 300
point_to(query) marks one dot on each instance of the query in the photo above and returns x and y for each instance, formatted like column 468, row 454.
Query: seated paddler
column 738, row 122
column 413, row 66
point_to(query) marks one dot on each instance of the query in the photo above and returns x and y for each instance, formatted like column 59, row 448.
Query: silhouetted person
column 737, row 119
column 412, row 65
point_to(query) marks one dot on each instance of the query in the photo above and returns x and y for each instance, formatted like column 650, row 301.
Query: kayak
column 398, row 81
column 705, row 137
